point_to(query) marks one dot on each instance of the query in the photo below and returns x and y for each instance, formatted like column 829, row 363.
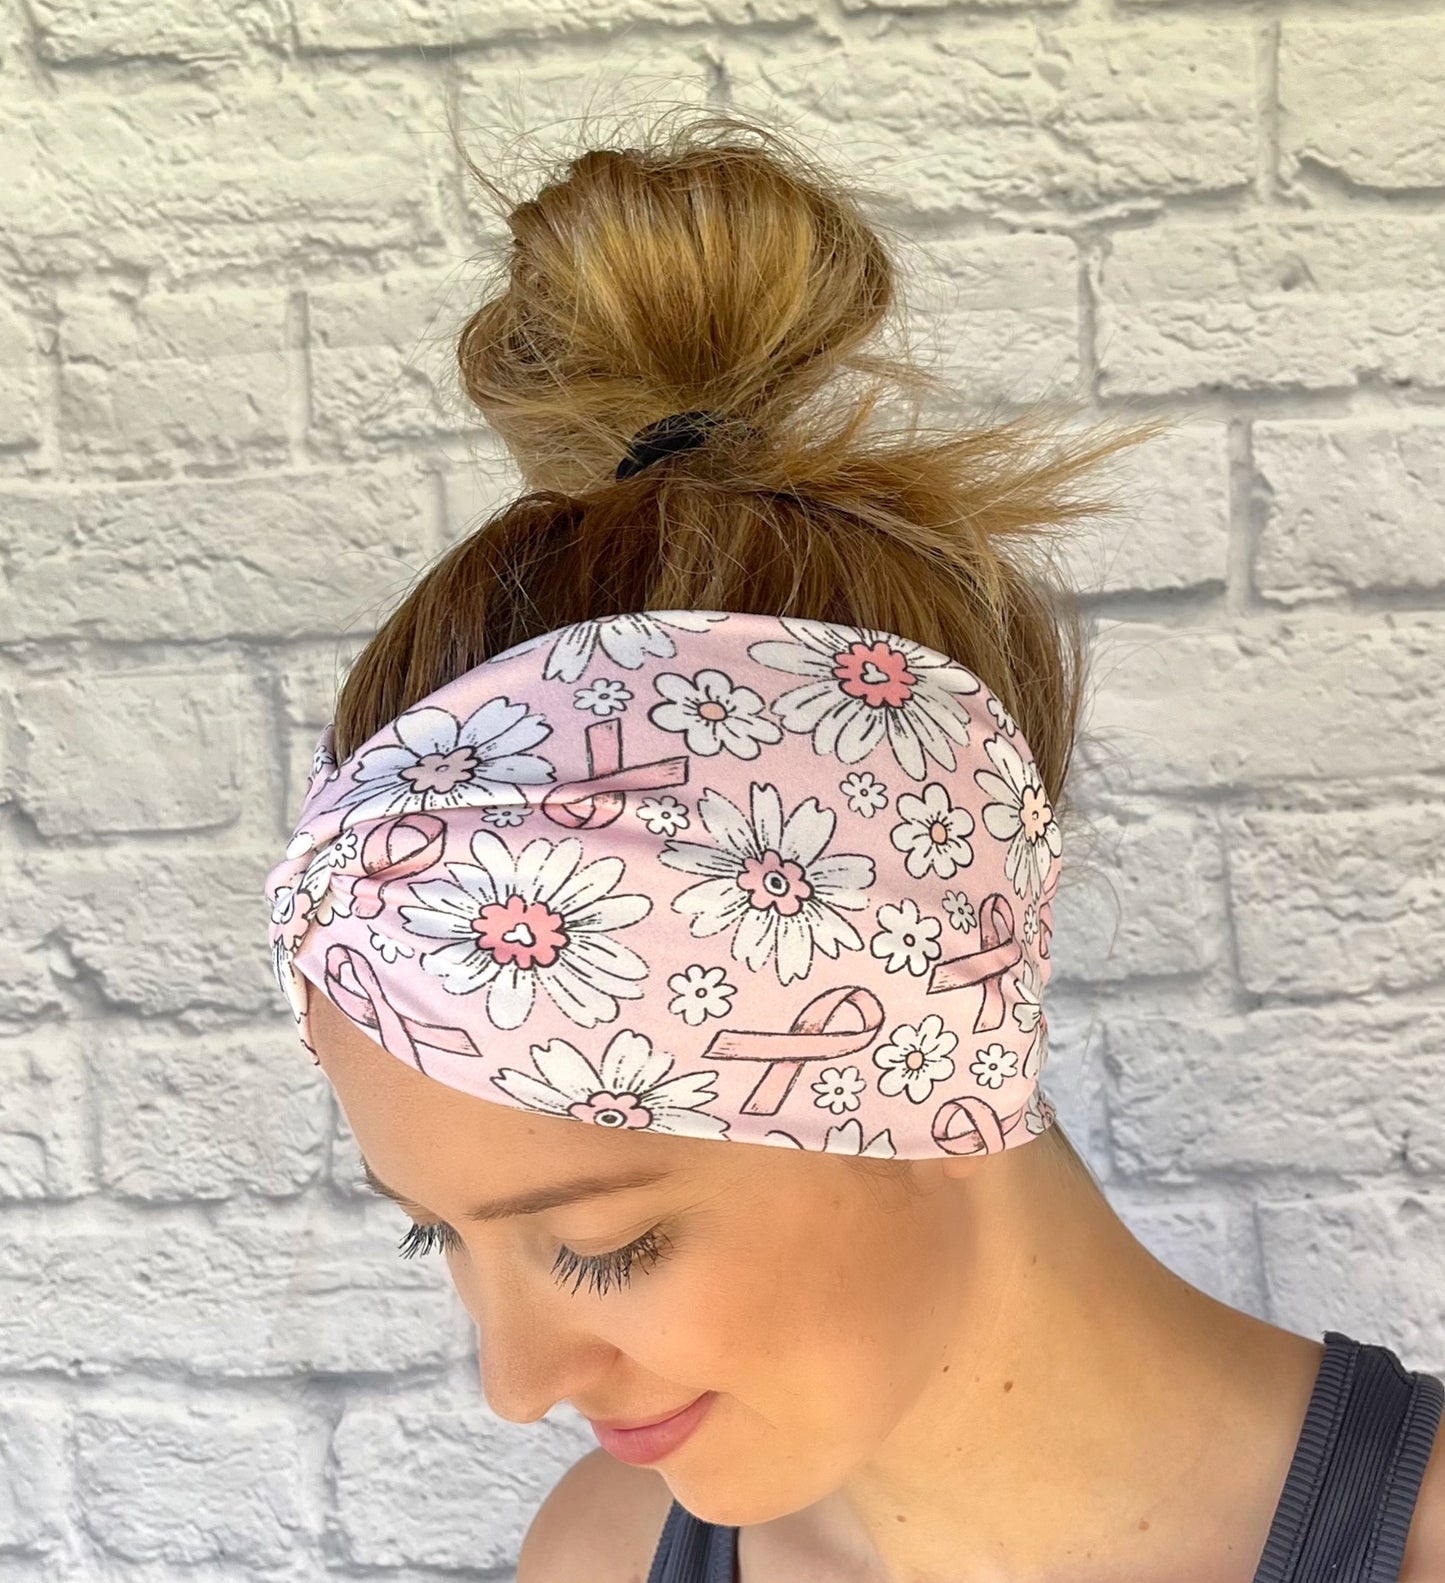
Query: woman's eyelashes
column 602, row 1270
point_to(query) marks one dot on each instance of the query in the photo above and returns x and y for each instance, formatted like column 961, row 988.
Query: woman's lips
column 651, row 1442
column 639, row 1423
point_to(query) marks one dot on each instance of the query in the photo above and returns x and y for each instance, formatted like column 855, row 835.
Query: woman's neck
column 1094, row 1417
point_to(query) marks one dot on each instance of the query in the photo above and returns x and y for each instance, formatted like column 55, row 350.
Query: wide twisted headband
column 723, row 875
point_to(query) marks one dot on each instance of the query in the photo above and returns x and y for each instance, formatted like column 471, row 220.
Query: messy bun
column 717, row 267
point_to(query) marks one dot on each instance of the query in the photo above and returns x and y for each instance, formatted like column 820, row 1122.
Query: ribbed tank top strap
column 1350, row 1491
column 692, row 1551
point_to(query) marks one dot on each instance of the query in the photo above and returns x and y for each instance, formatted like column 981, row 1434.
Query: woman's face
column 817, row 1302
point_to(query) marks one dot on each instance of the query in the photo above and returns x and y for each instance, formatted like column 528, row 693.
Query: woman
column 714, row 796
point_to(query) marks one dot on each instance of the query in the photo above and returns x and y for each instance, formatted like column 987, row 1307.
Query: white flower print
column 438, row 763
column 866, row 794
column 1022, row 816
column 915, row 1058
column 625, row 640
column 505, row 818
column 838, row 1088
column 537, row 918
column 864, row 687
column 990, row 1066
column 386, row 948
column 846, row 1138
column 310, row 897
column 959, row 909
column 769, row 882
column 713, row 713
column 604, row 697
column 933, row 831
column 631, row 1090
column 701, row 992
column 1005, row 720
column 323, row 762
column 1031, row 922
column 1039, row 1112
column 1028, row 1013
column 905, row 938
column 663, row 815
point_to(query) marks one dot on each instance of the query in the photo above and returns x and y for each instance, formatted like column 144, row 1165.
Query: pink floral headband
column 723, row 875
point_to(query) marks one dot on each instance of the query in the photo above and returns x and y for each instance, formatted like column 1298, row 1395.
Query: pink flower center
column 520, row 933
column 938, row 832
column 1034, row 811
column 712, row 710
column 914, row 1060
column 774, row 883
column 612, row 1110
column 441, row 772
column 877, row 674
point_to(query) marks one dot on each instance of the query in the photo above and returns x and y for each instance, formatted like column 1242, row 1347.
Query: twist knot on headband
column 751, row 878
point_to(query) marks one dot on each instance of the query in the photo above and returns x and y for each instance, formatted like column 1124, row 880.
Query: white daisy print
column 310, row 897
column 846, row 1138
column 769, row 882
column 960, row 910
column 713, row 713
column 1005, row 720
column 990, row 1066
column 538, row 918
column 1028, row 1013
column 1039, row 1112
column 906, row 939
column 604, row 697
column 915, row 1058
column 505, row 818
column 386, row 948
column 700, row 992
column 866, row 794
column 629, row 1091
column 625, row 640
column 864, row 687
column 1031, row 922
column 663, row 815
column 440, row 763
column 1022, row 816
column 838, row 1088
column 933, row 832
column 323, row 762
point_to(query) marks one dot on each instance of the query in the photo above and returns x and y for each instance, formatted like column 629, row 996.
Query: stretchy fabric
column 1342, row 1516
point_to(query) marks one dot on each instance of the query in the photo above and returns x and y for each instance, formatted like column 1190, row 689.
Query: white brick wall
column 230, row 249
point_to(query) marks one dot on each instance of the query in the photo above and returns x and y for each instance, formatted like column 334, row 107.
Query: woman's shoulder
column 600, row 1524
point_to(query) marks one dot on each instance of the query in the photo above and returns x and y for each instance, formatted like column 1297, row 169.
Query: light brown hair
column 715, row 265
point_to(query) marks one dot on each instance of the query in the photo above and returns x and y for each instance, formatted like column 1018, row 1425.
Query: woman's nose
column 530, row 1356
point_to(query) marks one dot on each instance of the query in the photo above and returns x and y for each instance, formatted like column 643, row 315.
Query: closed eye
column 600, row 1269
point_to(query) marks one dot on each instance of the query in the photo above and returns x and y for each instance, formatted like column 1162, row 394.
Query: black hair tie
column 680, row 431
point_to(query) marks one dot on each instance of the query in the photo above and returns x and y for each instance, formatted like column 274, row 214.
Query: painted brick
column 1390, row 1240
column 195, row 1482
column 1336, row 78
column 44, row 1123
column 1338, row 903
column 277, row 555
column 205, row 1115
column 1321, row 302
column 293, row 1291
column 1349, row 506
column 1346, row 1087
column 162, row 749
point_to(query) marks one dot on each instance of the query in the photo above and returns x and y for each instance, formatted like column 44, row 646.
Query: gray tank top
column 1342, row 1516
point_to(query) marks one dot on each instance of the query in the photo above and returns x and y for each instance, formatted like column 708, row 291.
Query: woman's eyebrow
column 535, row 1201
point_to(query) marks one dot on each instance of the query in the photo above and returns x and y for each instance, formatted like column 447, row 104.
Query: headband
column 725, row 875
